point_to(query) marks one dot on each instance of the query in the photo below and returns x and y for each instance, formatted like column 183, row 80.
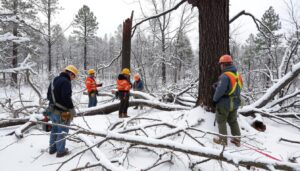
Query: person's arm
column 66, row 95
column 221, row 89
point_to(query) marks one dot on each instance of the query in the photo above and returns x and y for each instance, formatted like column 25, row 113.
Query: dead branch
column 157, row 16
column 290, row 141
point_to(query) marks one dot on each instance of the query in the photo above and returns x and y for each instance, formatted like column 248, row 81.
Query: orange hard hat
column 225, row 59
column 136, row 77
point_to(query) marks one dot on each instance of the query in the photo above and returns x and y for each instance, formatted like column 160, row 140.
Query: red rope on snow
column 263, row 153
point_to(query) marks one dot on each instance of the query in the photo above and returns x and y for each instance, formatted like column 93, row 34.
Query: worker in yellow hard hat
column 61, row 109
column 124, row 85
column 91, row 87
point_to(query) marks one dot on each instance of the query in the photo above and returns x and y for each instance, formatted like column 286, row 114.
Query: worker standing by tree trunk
column 227, row 100
column 124, row 85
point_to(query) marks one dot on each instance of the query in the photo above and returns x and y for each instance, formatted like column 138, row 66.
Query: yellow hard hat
column 72, row 69
column 125, row 71
column 91, row 71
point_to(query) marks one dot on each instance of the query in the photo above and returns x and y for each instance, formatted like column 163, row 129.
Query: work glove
column 99, row 85
column 73, row 113
column 97, row 93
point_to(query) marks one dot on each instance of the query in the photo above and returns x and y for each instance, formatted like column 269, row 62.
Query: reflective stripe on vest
column 235, row 79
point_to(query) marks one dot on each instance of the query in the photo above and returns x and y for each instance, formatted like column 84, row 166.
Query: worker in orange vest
column 227, row 100
column 91, row 87
column 124, row 85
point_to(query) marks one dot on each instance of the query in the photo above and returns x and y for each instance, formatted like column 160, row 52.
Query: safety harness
column 235, row 80
column 53, row 98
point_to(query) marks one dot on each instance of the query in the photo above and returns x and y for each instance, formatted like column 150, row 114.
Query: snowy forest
column 172, row 122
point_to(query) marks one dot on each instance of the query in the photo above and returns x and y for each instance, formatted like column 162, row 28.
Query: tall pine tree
column 25, row 15
column 86, row 25
column 267, row 43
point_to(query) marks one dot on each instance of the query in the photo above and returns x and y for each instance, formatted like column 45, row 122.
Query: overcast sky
column 111, row 13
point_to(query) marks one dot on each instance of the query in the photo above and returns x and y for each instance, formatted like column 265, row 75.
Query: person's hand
column 99, row 85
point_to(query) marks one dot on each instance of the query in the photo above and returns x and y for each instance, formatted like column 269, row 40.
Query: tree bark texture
column 85, row 46
column 14, row 76
column 213, row 42
column 49, row 39
column 126, row 44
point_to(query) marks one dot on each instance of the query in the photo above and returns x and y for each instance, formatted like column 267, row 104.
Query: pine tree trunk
column 49, row 39
column 14, row 76
column 126, row 44
column 214, row 42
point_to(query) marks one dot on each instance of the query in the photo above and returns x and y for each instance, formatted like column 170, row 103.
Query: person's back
column 62, row 91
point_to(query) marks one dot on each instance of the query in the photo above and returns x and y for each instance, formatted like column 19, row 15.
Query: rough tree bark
column 14, row 75
column 49, row 38
column 126, row 44
column 213, row 42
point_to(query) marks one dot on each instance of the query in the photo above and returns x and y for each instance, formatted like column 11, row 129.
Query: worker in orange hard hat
column 124, row 85
column 227, row 100
column 138, row 85
column 61, row 109
column 91, row 87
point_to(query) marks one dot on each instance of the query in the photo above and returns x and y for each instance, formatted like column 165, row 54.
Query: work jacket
column 91, row 85
column 227, row 93
column 62, row 91
column 138, row 85
column 123, row 84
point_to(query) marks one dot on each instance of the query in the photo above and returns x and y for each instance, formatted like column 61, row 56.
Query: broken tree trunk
column 126, row 45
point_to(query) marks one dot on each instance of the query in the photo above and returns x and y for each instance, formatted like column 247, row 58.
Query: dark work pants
column 224, row 116
column 124, row 102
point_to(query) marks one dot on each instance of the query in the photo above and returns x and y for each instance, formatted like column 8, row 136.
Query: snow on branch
column 272, row 91
column 25, row 65
column 10, row 37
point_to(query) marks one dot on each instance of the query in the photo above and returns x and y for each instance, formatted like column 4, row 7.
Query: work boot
column 52, row 151
column 125, row 115
column 220, row 141
column 236, row 142
column 66, row 152
column 120, row 115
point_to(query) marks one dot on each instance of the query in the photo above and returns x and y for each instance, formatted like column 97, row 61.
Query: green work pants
column 223, row 116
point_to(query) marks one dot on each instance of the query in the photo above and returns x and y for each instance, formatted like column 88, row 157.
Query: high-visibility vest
column 123, row 85
column 90, row 84
column 235, row 80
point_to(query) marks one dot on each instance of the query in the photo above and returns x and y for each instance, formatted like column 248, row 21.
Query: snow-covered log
column 114, row 106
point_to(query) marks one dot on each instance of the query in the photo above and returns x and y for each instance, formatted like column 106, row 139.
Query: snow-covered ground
column 30, row 152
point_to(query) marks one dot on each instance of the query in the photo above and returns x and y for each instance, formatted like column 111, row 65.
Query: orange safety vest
column 90, row 84
column 235, row 80
column 123, row 85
